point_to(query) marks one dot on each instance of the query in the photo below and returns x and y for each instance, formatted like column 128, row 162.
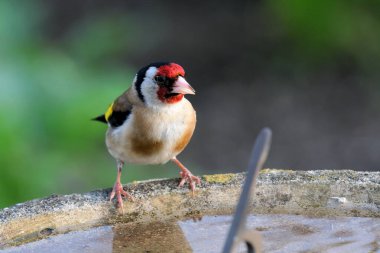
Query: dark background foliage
column 307, row 69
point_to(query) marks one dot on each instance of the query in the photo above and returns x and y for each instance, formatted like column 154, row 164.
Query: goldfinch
column 151, row 122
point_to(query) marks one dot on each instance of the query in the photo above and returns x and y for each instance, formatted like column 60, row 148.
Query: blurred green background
column 307, row 69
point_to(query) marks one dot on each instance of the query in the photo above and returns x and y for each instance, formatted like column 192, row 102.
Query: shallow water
column 280, row 233
column 290, row 233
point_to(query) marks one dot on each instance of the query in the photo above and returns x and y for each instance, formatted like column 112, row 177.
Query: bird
column 151, row 123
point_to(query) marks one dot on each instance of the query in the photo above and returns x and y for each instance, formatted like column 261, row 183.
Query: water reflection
column 95, row 240
column 290, row 233
column 281, row 233
column 152, row 237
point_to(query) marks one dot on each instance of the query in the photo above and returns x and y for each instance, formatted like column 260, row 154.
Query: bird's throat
column 170, row 98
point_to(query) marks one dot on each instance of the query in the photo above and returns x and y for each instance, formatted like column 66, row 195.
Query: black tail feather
column 101, row 118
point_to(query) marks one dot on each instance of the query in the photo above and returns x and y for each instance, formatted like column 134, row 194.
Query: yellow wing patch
column 108, row 112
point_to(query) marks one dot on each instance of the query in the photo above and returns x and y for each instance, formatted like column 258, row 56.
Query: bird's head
column 161, row 83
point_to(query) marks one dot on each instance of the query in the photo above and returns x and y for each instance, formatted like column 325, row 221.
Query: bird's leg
column 186, row 175
column 118, row 190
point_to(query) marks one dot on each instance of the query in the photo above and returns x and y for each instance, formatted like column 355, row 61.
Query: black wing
column 118, row 112
column 117, row 118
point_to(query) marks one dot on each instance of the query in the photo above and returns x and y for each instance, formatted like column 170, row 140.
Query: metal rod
column 259, row 155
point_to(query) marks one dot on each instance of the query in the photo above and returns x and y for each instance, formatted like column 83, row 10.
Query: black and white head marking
column 145, row 85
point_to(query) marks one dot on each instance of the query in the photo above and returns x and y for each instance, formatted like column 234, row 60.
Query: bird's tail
column 101, row 118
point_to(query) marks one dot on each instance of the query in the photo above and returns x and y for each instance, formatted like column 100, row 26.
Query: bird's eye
column 159, row 79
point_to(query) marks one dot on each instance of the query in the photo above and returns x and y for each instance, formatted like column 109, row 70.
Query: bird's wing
column 118, row 112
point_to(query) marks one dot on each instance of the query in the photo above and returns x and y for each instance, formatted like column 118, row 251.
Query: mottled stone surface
column 315, row 193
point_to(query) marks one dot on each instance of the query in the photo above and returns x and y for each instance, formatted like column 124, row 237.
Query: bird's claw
column 118, row 191
column 187, row 176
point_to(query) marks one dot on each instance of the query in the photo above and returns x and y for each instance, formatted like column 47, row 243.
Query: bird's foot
column 118, row 191
column 187, row 176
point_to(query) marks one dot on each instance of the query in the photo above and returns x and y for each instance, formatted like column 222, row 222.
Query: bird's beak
column 182, row 86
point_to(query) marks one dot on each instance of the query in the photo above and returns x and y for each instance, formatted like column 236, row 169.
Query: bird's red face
column 162, row 83
column 172, row 84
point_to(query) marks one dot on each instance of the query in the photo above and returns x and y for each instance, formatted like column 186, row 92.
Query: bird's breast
column 154, row 136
